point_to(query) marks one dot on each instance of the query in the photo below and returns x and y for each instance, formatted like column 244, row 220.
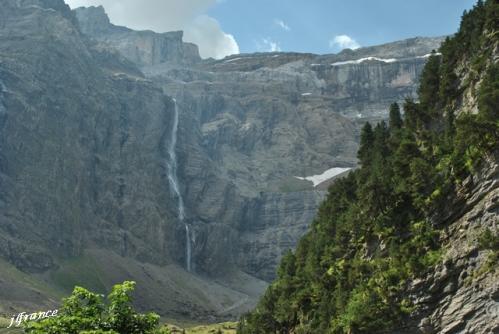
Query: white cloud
column 268, row 45
column 343, row 42
column 280, row 23
column 205, row 31
column 169, row 15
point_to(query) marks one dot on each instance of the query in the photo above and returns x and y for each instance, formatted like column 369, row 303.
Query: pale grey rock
column 145, row 48
column 79, row 164
column 250, row 123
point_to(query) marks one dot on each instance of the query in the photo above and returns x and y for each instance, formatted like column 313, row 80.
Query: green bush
column 85, row 312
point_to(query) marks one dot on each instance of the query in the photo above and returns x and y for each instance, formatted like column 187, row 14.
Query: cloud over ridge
column 169, row 15
column 343, row 42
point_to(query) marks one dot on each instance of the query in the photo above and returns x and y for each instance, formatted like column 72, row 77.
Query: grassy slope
column 22, row 291
column 4, row 322
column 167, row 290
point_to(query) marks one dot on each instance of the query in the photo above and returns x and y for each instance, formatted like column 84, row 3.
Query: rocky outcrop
column 82, row 146
column 144, row 48
column 461, row 295
column 273, row 223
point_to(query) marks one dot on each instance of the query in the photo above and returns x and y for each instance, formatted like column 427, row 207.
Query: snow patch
column 42, row 8
column 246, row 126
column 306, row 94
column 318, row 179
column 429, row 54
column 231, row 60
column 361, row 60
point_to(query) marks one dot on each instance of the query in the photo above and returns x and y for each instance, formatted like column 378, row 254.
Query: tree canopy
column 85, row 312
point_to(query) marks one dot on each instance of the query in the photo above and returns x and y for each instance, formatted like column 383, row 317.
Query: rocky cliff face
column 144, row 48
column 251, row 123
column 83, row 156
column 246, row 134
column 461, row 295
column 84, row 192
column 69, row 132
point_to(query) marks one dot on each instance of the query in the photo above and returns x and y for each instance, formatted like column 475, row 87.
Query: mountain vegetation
column 380, row 226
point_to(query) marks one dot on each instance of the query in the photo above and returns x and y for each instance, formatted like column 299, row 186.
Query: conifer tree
column 414, row 119
column 395, row 121
column 430, row 84
column 366, row 144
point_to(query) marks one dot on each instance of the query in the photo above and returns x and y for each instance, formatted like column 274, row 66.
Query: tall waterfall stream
column 172, row 177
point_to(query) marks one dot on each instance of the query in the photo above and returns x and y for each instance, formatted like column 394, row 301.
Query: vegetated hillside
column 408, row 243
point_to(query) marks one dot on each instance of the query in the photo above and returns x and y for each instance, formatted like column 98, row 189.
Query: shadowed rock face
column 82, row 146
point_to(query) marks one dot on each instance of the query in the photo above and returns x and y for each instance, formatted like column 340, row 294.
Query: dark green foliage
column 413, row 119
column 449, row 82
column 86, row 312
column 430, row 84
column 477, row 134
column 489, row 240
column 373, row 233
column 395, row 117
column 488, row 99
column 366, row 142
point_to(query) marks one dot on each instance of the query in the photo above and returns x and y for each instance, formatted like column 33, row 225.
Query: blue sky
column 309, row 26
column 224, row 27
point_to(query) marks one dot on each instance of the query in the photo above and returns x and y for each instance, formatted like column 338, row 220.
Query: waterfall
column 187, row 248
column 172, row 177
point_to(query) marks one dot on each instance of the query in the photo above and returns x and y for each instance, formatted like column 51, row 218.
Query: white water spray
column 172, row 177
column 187, row 248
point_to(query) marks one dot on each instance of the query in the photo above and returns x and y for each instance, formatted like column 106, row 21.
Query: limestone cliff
column 246, row 135
column 73, row 170
column 84, row 137
column 83, row 156
column 145, row 48
column 250, row 124
column 460, row 295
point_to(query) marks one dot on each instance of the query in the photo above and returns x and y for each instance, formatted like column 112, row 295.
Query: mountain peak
column 57, row 5
column 144, row 48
